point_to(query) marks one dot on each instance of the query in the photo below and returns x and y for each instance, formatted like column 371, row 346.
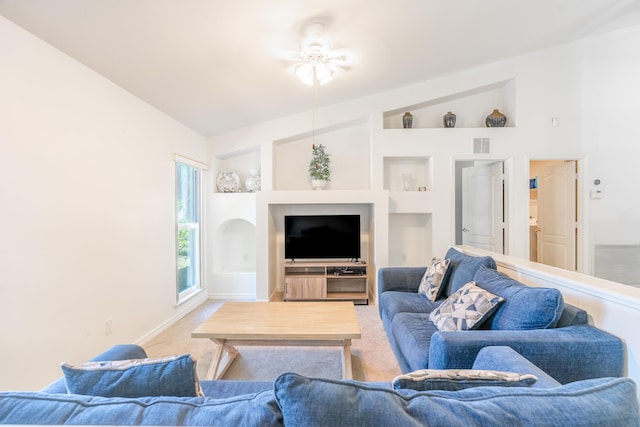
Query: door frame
column 456, row 229
column 584, row 257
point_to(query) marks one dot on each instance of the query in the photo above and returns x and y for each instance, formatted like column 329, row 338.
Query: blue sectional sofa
column 299, row 401
column 535, row 322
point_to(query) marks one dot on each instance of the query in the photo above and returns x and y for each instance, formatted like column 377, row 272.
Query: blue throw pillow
column 463, row 268
column 320, row 402
column 169, row 376
column 459, row 379
column 524, row 307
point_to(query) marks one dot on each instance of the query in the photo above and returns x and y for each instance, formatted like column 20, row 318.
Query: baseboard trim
column 233, row 296
column 181, row 311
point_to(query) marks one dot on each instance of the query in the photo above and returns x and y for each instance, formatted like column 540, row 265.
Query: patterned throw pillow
column 458, row 379
column 433, row 278
column 167, row 376
column 465, row 309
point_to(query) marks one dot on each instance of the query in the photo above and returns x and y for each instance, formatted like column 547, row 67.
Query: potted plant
column 319, row 167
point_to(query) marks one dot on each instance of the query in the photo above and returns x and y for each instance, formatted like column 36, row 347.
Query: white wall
column 610, row 109
column 87, row 212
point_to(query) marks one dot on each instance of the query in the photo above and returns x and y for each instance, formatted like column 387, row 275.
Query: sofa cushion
column 463, row 269
column 572, row 315
column 320, row 402
column 459, row 379
column 465, row 309
column 504, row 358
column 433, row 278
column 524, row 308
column 394, row 302
column 168, row 376
column 412, row 334
column 117, row 352
column 259, row 409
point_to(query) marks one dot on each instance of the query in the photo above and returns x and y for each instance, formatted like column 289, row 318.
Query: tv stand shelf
column 329, row 281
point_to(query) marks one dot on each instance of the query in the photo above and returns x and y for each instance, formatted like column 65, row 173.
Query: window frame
column 200, row 168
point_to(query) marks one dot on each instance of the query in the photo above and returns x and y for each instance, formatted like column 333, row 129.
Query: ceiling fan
column 317, row 61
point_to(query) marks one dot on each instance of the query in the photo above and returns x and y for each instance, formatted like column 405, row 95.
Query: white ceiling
column 217, row 65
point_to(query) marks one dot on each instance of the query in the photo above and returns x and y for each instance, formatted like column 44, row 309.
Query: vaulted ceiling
column 218, row 65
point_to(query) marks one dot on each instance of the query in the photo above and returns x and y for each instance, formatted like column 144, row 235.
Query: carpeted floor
column 372, row 357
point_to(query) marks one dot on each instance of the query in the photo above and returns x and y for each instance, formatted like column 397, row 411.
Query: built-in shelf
column 471, row 108
column 407, row 173
column 240, row 162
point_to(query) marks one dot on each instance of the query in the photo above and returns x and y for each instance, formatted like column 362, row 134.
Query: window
column 188, row 229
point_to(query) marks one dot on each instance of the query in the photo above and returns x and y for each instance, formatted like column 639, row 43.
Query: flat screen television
column 322, row 237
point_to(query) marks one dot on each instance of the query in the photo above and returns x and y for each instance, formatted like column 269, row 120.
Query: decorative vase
column 449, row 120
column 496, row 120
column 318, row 184
column 407, row 120
column 253, row 182
column 407, row 181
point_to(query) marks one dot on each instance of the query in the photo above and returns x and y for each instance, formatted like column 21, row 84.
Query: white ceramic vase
column 318, row 184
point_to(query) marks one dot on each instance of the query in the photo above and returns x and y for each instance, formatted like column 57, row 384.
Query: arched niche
column 235, row 246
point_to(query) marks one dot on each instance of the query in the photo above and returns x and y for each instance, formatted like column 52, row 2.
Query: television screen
column 322, row 236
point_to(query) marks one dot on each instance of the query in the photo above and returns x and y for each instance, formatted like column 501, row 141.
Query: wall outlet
column 108, row 326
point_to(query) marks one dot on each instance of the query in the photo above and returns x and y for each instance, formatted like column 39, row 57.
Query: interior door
column 557, row 225
column 483, row 206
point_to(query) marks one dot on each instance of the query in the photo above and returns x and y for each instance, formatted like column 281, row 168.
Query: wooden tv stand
column 326, row 281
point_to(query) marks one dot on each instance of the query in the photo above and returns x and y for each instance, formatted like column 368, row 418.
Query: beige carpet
column 372, row 357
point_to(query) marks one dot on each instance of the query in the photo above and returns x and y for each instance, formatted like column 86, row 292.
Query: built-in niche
column 404, row 173
column 235, row 243
column 410, row 239
column 348, row 145
column 240, row 162
column 278, row 212
column 471, row 108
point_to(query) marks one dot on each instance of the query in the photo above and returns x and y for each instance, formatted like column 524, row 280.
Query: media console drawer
column 337, row 281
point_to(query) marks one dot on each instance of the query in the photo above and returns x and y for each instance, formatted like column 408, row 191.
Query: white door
column 483, row 206
column 557, row 215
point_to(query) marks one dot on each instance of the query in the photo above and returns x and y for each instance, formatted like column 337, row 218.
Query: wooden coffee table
column 276, row 324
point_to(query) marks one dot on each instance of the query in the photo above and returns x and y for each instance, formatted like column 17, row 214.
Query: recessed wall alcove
column 237, row 238
column 372, row 206
column 471, row 107
column 234, row 260
column 348, row 145
column 410, row 239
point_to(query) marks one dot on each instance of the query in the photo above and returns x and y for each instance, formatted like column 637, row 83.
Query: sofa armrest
column 404, row 279
column 117, row 352
column 568, row 354
column 506, row 359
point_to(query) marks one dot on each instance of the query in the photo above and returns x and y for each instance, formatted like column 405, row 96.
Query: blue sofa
column 299, row 401
column 535, row 322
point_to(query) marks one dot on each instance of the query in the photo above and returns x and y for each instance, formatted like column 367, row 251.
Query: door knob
column 465, row 230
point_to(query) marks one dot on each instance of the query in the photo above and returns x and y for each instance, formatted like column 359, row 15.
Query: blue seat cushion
column 524, row 308
column 463, row 268
column 319, row 402
column 412, row 338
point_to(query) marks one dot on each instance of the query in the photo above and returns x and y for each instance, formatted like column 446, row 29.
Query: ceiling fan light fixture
column 304, row 71
column 323, row 74
column 316, row 60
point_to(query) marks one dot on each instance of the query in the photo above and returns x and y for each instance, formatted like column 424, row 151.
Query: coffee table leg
column 222, row 358
column 347, row 371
